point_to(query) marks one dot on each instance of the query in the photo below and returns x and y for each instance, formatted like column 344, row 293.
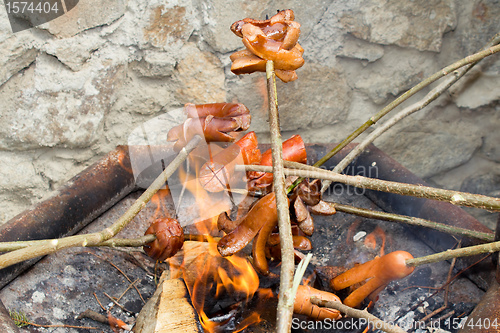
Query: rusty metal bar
column 71, row 207
column 486, row 316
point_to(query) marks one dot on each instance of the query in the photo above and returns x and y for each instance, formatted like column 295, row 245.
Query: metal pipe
column 71, row 207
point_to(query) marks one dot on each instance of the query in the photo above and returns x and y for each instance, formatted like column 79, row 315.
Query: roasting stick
column 355, row 313
column 430, row 97
column 419, row 191
column 285, row 300
column 54, row 245
column 471, row 59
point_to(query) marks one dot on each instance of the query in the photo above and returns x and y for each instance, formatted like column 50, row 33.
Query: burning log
column 379, row 272
column 169, row 310
column 217, row 285
column 210, row 121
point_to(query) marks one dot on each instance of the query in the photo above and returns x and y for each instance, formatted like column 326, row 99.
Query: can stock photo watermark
column 28, row 14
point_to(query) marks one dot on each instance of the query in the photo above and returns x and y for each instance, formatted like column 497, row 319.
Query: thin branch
column 285, row 301
column 484, row 236
column 391, row 106
column 51, row 246
column 430, row 97
column 450, row 254
column 419, row 191
column 113, row 242
column 351, row 312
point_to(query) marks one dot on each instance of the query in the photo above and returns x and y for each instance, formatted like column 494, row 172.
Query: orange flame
column 371, row 240
column 209, row 276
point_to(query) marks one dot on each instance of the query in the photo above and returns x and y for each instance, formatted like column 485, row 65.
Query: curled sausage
column 169, row 238
column 211, row 121
column 217, row 173
column 300, row 243
column 293, row 150
column 323, row 208
column 219, row 110
column 303, row 305
column 309, row 192
column 259, row 247
column 263, row 212
column 245, row 62
column 379, row 272
column 273, row 39
column 270, row 49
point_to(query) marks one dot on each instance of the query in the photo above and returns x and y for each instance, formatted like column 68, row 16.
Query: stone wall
column 74, row 88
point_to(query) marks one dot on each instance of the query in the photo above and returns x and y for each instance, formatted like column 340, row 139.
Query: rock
column 320, row 96
column 168, row 25
column 142, row 95
column 428, row 149
column 49, row 105
column 218, row 16
column 87, row 14
column 479, row 92
column 491, row 145
column 18, row 174
column 17, row 53
column 154, row 64
column 477, row 24
column 57, row 166
column 217, row 19
column 18, row 50
column 74, row 51
column 418, row 24
column 200, row 77
column 326, row 39
column 20, row 184
column 359, row 49
column 385, row 77
column 486, row 184
column 12, row 205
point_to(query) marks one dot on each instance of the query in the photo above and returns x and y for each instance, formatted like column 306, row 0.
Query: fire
column 209, row 205
column 211, row 279
column 161, row 201
column 371, row 239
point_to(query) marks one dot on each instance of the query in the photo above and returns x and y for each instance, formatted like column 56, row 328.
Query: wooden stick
column 351, row 312
column 486, row 237
column 285, row 300
column 450, row 254
column 454, row 197
column 51, row 246
column 391, row 106
column 430, row 97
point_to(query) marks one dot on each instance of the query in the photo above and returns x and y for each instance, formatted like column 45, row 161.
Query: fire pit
column 63, row 285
